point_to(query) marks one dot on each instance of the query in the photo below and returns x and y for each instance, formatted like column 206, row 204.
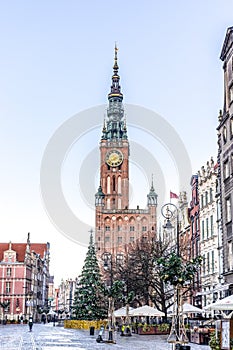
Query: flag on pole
column 173, row 195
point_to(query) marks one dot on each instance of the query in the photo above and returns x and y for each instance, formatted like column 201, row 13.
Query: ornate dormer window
column 9, row 255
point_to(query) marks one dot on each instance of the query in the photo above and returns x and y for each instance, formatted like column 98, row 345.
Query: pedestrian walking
column 99, row 339
column 30, row 323
column 43, row 318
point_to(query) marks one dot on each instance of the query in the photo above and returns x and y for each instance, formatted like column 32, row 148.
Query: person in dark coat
column 30, row 323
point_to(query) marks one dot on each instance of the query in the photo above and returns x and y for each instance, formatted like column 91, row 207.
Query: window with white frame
column 226, row 169
column 8, row 287
column 231, row 94
column 206, row 198
column 211, row 225
column 202, row 201
column 119, row 259
column 230, row 255
column 231, row 127
column 211, row 194
column 204, row 265
column 197, row 223
column 224, row 134
column 228, row 209
column 207, row 227
column 119, row 239
column 212, row 261
column 208, row 262
column 203, row 229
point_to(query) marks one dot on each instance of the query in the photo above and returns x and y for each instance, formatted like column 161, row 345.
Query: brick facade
column 116, row 224
column 24, row 276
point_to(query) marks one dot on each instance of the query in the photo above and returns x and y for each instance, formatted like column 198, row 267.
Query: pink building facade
column 24, row 280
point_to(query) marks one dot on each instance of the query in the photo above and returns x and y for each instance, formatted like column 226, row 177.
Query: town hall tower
column 116, row 225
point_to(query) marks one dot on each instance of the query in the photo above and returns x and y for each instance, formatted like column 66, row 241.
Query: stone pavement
column 48, row 337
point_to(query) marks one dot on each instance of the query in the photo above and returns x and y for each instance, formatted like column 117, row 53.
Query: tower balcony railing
column 125, row 211
column 114, row 143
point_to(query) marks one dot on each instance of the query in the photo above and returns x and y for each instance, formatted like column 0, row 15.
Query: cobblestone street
column 48, row 337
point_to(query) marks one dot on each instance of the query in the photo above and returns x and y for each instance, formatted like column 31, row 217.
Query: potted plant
column 145, row 329
column 214, row 342
column 163, row 328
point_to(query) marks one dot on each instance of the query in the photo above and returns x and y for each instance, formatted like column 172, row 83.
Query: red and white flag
column 173, row 195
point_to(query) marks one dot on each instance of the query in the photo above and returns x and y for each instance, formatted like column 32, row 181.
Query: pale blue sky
column 56, row 60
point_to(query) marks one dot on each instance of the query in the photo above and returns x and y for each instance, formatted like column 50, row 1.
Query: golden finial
column 115, row 58
column 220, row 115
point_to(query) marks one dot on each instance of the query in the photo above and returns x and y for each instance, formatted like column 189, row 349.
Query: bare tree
column 141, row 275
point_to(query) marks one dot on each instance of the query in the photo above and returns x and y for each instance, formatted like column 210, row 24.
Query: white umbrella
column 146, row 311
column 223, row 304
column 190, row 309
column 122, row 312
column 51, row 312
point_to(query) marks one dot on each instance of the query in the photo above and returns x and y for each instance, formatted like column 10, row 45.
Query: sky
column 56, row 63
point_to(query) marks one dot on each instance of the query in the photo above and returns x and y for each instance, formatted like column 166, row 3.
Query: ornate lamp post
column 29, row 303
column 177, row 334
column 107, row 258
column 127, row 298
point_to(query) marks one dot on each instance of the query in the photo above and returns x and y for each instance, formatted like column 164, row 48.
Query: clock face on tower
column 114, row 158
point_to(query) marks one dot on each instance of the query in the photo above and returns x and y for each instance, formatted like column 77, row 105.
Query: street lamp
column 29, row 303
column 177, row 334
column 107, row 258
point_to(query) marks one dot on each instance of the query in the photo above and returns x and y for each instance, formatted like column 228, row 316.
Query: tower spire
column 115, row 93
column 115, row 67
column 115, row 126
column 152, row 196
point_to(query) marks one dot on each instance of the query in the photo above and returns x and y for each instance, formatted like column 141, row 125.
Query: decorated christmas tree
column 89, row 301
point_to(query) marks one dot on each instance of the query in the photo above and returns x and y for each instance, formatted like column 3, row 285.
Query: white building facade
column 210, row 238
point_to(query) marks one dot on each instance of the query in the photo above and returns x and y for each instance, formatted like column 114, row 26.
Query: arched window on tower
column 119, row 184
column 108, row 184
column 113, row 183
column 113, row 203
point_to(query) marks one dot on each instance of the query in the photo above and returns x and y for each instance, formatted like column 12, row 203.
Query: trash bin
column 92, row 330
